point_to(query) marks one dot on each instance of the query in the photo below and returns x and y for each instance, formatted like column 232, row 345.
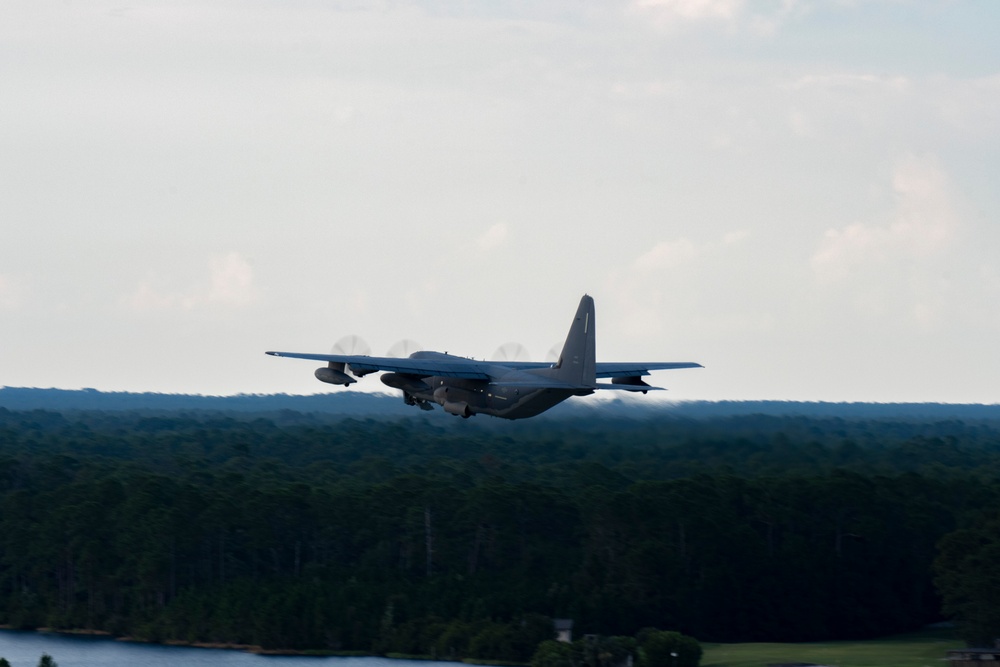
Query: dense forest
column 426, row 535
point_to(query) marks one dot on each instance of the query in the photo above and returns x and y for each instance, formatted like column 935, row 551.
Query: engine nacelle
column 632, row 383
column 333, row 376
column 460, row 408
column 406, row 383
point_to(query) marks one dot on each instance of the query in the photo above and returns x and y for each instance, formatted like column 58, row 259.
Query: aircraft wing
column 471, row 369
column 456, row 368
column 619, row 369
column 610, row 369
column 523, row 365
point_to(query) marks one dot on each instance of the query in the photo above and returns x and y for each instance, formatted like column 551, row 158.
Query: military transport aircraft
column 508, row 389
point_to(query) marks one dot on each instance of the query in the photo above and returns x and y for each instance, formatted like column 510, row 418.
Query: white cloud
column 681, row 279
column 844, row 247
column 230, row 283
column 644, row 289
column 907, row 269
column 232, row 280
column 146, row 298
column 692, row 10
column 923, row 223
column 494, row 237
column 756, row 18
column 666, row 255
column 926, row 214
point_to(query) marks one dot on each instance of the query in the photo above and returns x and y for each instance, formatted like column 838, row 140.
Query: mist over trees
column 423, row 535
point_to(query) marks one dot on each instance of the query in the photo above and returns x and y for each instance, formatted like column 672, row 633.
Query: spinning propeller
column 511, row 352
column 352, row 345
column 336, row 373
column 404, row 348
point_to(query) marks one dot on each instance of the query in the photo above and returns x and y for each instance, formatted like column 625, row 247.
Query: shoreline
column 231, row 646
column 246, row 648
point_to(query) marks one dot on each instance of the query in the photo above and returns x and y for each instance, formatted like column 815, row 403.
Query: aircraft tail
column 578, row 363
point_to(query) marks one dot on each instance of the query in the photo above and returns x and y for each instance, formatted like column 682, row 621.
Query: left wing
column 454, row 367
column 619, row 369
column 627, row 376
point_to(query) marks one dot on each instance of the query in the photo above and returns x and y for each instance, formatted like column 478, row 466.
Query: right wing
column 454, row 367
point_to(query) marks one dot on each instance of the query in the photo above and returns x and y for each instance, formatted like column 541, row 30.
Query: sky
column 801, row 195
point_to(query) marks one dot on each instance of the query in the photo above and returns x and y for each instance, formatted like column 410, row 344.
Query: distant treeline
column 444, row 537
column 341, row 403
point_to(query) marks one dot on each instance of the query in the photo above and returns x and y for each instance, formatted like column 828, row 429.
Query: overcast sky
column 802, row 195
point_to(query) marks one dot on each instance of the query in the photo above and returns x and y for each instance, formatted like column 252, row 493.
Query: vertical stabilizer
column 577, row 362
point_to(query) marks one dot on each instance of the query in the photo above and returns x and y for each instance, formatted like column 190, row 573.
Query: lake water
column 23, row 649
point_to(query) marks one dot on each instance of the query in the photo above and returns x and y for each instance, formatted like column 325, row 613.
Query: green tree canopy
column 551, row 653
column 968, row 578
column 664, row 648
column 451, row 540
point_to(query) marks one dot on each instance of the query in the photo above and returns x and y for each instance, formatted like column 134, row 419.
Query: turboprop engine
column 407, row 383
column 333, row 376
column 460, row 408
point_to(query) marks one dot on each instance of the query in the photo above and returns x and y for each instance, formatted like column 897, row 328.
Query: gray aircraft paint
column 511, row 390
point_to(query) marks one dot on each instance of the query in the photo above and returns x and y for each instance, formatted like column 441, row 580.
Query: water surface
column 23, row 649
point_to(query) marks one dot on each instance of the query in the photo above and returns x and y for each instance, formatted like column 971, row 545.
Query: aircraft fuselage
column 510, row 397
